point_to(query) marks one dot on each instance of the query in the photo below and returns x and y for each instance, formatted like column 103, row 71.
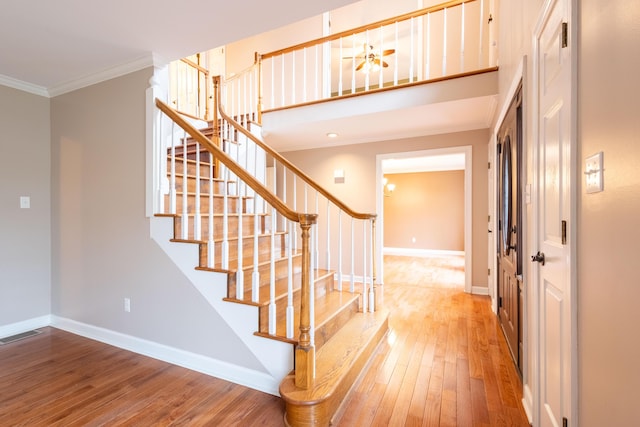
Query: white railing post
column 290, row 308
column 255, row 275
column 197, row 220
column 364, row 266
column 340, row 250
column 372, row 298
column 239, row 273
column 185, row 195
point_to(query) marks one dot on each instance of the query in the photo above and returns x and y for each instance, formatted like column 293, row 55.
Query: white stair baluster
column 172, row 183
column 364, row 266
column 255, row 276
column 462, row 40
column 272, row 276
column 240, row 272
column 328, row 235
column 197, row 225
column 290, row 308
column 372, row 307
column 340, row 250
column 353, row 279
column 211, row 250
column 185, row 194
column 444, row 44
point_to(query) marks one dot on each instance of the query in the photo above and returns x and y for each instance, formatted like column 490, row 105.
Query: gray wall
column 359, row 190
column 102, row 251
column 25, row 242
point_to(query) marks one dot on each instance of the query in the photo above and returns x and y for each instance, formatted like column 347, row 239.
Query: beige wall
column 359, row 190
column 427, row 207
column 609, row 222
column 102, row 250
column 608, row 231
column 25, row 245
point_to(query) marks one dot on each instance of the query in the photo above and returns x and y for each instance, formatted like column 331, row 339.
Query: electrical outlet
column 127, row 305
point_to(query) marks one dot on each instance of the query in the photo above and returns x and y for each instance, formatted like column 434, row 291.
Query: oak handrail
column 238, row 170
column 363, row 28
column 289, row 165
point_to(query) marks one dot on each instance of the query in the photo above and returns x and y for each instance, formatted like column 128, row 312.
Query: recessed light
column 332, row 135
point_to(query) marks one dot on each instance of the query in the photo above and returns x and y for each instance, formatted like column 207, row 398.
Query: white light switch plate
column 25, row 202
column 594, row 173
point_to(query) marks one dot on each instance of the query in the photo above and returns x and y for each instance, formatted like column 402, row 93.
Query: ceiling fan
column 371, row 59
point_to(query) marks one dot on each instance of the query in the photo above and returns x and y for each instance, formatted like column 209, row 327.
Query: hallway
column 445, row 362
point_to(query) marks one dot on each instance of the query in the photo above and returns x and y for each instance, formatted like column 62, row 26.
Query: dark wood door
column 509, row 251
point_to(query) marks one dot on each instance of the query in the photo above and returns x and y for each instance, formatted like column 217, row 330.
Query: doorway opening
column 396, row 165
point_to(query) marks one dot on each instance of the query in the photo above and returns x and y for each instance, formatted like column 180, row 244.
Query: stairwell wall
column 101, row 244
column 359, row 189
column 25, row 246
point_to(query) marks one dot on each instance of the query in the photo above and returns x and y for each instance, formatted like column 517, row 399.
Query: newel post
column 305, row 369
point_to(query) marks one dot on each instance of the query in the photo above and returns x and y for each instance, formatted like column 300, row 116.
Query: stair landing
column 338, row 364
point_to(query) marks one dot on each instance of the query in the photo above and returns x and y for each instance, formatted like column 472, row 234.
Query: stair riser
column 264, row 270
column 282, row 302
column 218, row 203
column 264, row 250
column 247, row 226
column 218, row 186
column 326, row 331
column 191, row 168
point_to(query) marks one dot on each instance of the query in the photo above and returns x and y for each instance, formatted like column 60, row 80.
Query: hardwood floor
column 445, row 363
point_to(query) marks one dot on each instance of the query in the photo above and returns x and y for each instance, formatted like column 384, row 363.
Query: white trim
column 23, row 86
column 196, row 362
column 88, row 80
column 101, row 76
column 527, row 402
column 467, row 150
column 24, row 326
column 422, row 253
column 480, row 290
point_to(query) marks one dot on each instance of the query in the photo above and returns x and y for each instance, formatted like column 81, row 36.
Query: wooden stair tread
column 281, row 285
column 338, row 364
column 326, row 308
column 219, row 239
column 247, row 262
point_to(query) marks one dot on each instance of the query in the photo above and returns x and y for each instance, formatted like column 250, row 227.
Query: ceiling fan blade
column 388, row 52
column 360, row 65
column 384, row 64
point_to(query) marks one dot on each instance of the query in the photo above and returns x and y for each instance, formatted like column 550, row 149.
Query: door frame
column 468, row 193
column 534, row 388
column 528, row 301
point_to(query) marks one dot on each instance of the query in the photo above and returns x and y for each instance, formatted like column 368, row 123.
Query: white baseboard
column 24, row 326
column 527, row 402
column 196, row 362
column 480, row 290
column 424, row 253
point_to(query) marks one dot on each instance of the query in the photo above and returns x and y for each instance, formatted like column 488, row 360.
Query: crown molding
column 23, row 86
column 108, row 74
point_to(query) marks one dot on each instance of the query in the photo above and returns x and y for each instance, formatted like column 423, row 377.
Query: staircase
column 262, row 256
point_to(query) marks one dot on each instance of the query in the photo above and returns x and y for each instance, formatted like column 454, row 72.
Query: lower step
column 338, row 364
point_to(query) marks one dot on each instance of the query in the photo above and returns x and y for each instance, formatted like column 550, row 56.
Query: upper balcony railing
column 438, row 42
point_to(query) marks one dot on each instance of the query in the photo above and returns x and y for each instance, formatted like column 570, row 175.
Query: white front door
column 555, row 219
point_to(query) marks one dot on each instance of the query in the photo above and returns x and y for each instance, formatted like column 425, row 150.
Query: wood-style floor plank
column 445, row 362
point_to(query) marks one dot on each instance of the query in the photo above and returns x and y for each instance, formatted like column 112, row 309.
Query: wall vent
column 17, row 337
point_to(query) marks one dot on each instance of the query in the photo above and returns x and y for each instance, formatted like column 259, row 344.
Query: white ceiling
column 49, row 47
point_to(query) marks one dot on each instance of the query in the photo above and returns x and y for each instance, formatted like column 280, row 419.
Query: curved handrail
column 363, row 28
column 238, row 170
column 287, row 163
